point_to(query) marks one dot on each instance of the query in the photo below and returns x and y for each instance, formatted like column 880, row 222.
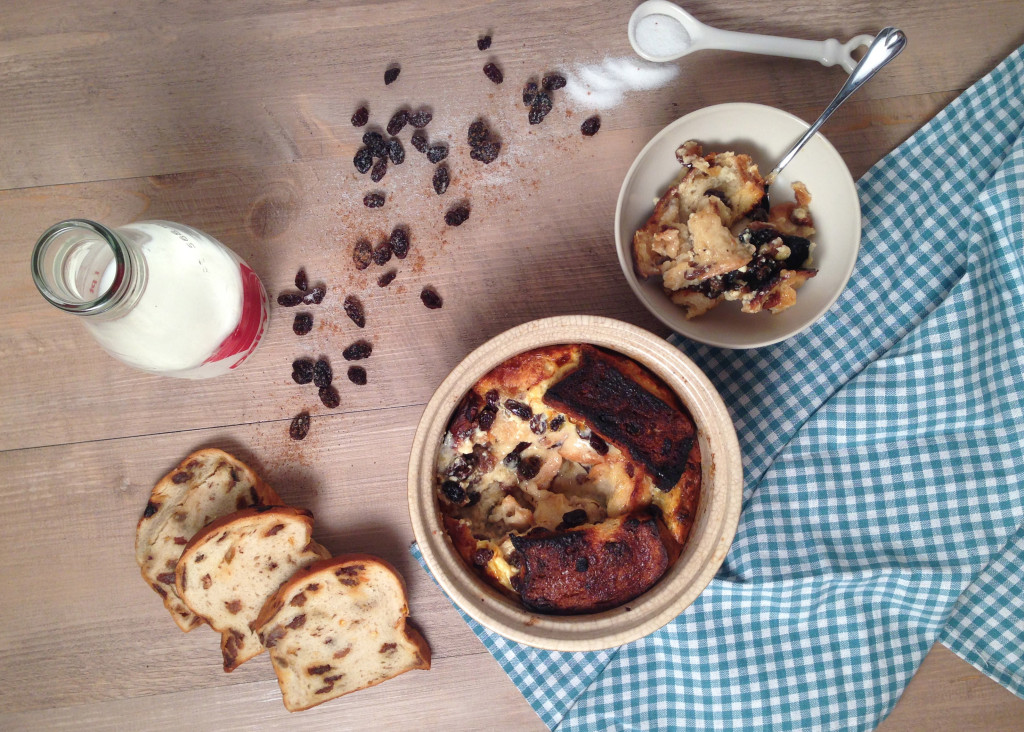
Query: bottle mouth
column 80, row 266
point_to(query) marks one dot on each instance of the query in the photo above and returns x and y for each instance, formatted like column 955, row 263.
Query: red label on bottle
column 246, row 336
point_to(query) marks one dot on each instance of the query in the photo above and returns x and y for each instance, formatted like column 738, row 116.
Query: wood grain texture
column 234, row 117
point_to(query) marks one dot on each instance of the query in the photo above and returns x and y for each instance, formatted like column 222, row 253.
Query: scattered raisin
column 512, row 459
column 553, row 81
column 483, row 43
column 398, row 121
column 486, row 418
column 301, row 280
column 391, row 74
column 478, row 133
column 482, row 556
column 453, row 491
column 430, row 298
column 354, row 310
column 529, row 467
column 486, row 153
column 574, row 518
column 437, row 152
column 441, row 179
column 379, row 170
column 420, row 118
column 322, row 373
column 357, row 375
column 374, row 141
column 399, row 241
column 315, row 296
column 289, row 299
column 463, row 466
column 299, row 427
column 457, row 215
column 493, row 73
column 362, row 254
column 358, row 351
column 373, row 200
column 519, row 409
column 396, row 153
column 539, row 424
column 530, row 93
column 557, row 423
column 599, row 445
column 330, row 397
column 419, row 141
column 363, row 159
column 360, row 117
column 590, row 126
column 387, row 278
column 302, row 370
column 539, row 108
column 382, row 253
column 491, row 397
column 303, row 324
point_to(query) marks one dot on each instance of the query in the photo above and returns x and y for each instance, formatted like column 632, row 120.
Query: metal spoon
column 887, row 45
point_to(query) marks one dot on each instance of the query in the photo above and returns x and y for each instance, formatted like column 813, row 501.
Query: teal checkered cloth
column 884, row 463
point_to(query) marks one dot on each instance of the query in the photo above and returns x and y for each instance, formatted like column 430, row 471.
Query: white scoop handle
column 827, row 53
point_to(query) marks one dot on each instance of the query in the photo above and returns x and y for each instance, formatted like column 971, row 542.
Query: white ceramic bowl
column 764, row 133
column 717, row 512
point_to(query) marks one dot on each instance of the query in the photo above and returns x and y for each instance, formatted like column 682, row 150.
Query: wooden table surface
column 234, row 118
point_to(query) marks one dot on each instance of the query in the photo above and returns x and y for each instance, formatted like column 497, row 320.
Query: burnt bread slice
column 207, row 484
column 339, row 626
column 229, row 569
column 591, row 568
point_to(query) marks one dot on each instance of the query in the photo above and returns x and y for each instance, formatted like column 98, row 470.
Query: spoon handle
column 887, row 45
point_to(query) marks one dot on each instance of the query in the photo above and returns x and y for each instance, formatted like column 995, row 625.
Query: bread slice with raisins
column 229, row 569
column 206, row 485
column 339, row 626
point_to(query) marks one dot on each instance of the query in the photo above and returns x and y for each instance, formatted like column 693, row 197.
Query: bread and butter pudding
column 712, row 237
column 569, row 477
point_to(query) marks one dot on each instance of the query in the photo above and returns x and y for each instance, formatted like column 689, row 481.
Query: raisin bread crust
column 339, row 626
column 207, row 484
column 229, row 569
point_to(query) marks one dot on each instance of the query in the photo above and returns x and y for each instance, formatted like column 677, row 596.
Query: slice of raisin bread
column 229, row 569
column 339, row 626
column 206, row 485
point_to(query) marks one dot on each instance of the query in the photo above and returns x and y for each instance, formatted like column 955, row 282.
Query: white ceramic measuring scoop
column 662, row 31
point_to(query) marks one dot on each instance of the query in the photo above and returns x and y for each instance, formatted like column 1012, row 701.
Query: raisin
column 322, row 373
column 430, row 298
column 315, row 296
column 398, row 121
column 302, row 370
column 512, row 459
column 553, row 81
column 391, row 74
column 354, row 310
column 358, row 351
column 590, row 126
column 289, row 299
column 491, row 397
column 360, row 117
column 382, row 254
column 441, row 179
column 493, row 73
column 387, row 278
column 362, row 254
column 453, row 491
column 463, row 466
column 301, row 281
column 599, row 445
column 486, row 153
column 529, row 467
column 457, row 215
column 486, row 418
column 374, row 142
column 379, row 170
column 539, row 424
column 420, row 118
column 482, row 556
column 330, row 397
column 399, row 241
column 574, row 518
column 483, row 43
column 557, row 423
column 519, row 409
column 299, row 427
column 530, row 93
column 373, row 200
column 419, row 141
column 303, row 324
column 437, row 152
column 357, row 375
column 363, row 160
column 539, row 108
column 478, row 133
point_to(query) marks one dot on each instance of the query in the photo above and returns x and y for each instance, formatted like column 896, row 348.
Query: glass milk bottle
column 159, row 296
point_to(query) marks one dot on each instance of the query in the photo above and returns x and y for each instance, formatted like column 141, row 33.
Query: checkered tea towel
column 883, row 457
